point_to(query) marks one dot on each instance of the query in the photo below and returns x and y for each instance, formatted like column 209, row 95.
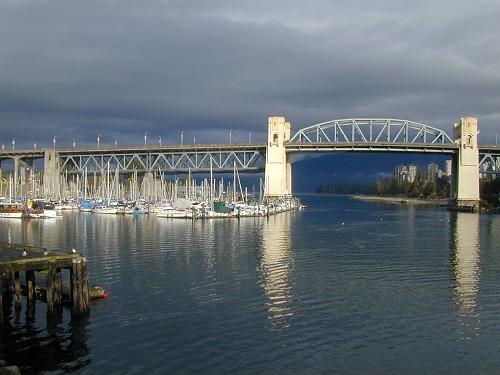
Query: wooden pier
column 15, row 259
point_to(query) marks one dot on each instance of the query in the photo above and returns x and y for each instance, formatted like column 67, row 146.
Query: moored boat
column 11, row 210
column 41, row 209
column 105, row 210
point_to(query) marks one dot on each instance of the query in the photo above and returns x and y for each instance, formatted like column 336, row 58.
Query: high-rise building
column 404, row 173
column 432, row 172
column 412, row 172
column 447, row 168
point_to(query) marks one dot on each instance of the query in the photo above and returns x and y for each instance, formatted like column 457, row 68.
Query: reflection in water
column 465, row 262
column 276, row 264
column 35, row 348
column 30, row 339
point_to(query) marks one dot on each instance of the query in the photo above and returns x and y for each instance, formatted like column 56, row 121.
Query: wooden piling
column 30, row 283
column 17, row 288
column 85, row 287
column 58, row 293
column 74, row 286
column 79, row 287
column 49, row 288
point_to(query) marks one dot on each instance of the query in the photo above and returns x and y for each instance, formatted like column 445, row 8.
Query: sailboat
column 11, row 209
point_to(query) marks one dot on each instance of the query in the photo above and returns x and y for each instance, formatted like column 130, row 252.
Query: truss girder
column 489, row 163
column 365, row 130
column 168, row 162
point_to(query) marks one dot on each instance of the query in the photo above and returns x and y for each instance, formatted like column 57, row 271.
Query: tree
column 429, row 189
column 379, row 187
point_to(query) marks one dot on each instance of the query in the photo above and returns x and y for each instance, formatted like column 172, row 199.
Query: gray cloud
column 120, row 68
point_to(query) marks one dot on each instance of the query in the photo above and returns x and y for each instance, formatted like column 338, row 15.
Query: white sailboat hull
column 12, row 215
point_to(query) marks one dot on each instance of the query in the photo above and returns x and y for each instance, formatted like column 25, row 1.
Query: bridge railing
column 366, row 130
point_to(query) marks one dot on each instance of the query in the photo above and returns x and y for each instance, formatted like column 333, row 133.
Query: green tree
column 429, row 189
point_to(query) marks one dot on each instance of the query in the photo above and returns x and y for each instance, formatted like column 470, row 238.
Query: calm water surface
column 344, row 286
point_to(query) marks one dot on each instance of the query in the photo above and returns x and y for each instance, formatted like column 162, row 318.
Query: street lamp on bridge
column 182, row 137
column 98, row 140
column 34, row 145
column 13, row 144
column 145, row 138
column 54, row 142
column 159, row 140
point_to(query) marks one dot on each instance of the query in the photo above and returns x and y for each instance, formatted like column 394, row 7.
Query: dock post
column 50, row 291
column 85, row 287
column 74, row 277
column 84, row 302
column 58, row 295
column 30, row 283
column 17, row 288
column 79, row 287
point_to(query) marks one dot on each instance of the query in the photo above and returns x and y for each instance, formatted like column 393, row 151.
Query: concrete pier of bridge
column 278, row 171
column 465, row 166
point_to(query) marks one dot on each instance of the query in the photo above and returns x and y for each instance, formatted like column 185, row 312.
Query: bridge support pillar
column 16, row 171
column 465, row 166
column 278, row 174
column 51, row 174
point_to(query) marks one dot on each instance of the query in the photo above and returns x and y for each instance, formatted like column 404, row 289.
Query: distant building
column 412, row 172
column 404, row 173
column 447, row 168
column 432, row 172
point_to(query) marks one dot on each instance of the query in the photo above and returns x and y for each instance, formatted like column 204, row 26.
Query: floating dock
column 16, row 259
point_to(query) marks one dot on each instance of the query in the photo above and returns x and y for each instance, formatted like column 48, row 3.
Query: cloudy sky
column 76, row 69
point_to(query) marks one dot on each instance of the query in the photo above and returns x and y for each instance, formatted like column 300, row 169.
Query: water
column 400, row 289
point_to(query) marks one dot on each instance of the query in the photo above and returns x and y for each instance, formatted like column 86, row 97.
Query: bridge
column 274, row 157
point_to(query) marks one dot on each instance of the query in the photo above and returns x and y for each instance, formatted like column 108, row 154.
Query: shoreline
column 398, row 200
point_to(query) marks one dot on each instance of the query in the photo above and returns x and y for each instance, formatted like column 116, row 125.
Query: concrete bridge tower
column 50, row 174
column 465, row 164
column 278, row 175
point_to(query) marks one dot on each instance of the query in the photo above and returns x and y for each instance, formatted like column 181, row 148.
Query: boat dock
column 16, row 259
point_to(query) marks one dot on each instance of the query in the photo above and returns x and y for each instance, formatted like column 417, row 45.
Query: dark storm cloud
column 120, row 68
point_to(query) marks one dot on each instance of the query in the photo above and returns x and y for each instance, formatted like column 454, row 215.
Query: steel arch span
column 371, row 130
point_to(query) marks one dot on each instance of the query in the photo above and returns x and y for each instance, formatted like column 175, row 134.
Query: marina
column 112, row 194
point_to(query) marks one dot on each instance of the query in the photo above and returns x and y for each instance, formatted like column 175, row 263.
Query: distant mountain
column 320, row 169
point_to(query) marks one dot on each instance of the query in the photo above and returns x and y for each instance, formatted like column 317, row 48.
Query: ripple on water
column 294, row 292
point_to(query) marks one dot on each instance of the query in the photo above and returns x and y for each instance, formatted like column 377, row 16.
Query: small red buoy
column 105, row 295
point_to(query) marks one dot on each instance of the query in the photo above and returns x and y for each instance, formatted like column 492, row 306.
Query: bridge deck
column 371, row 146
column 294, row 147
